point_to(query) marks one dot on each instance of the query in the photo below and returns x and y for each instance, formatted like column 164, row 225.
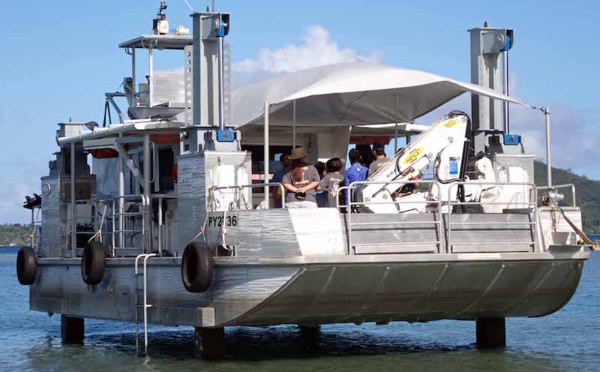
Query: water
column 564, row 341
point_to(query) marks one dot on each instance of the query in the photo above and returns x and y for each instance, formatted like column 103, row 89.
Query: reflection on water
column 565, row 340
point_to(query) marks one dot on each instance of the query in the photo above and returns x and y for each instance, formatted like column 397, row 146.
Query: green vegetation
column 14, row 234
column 587, row 191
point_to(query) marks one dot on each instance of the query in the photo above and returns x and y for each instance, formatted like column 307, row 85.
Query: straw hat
column 298, row 153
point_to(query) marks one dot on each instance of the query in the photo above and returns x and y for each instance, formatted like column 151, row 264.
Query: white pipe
column 548, row 147
column 396, row 129
column 505, row 103
column 146, row 175
column 294, row 125
column 133, row 76
column 266, row 154
column 73, row 205
column 150, row 74
column 121, row 201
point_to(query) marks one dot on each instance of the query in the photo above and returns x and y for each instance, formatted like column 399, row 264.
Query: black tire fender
column 93, row 263
column 197, row 267
column 26, row 266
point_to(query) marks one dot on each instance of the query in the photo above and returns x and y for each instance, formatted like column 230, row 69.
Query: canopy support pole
column 151, row 74
column 546, row 111
column 294, row 125
column 133, row 82
column 266, row 154
column 396, row 129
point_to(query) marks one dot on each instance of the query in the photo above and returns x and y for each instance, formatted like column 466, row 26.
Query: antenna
column 188, row 4
column 160, row 25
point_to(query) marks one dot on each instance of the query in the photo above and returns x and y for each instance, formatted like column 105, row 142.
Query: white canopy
column 349, row 94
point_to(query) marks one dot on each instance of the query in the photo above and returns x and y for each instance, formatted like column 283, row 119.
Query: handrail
column 563, row 186
column 131, row 197
column 529, row 203
column 350, row 203
column 264, row 184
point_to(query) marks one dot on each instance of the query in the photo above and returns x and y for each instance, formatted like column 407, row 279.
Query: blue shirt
column 278, row 176
column 355, row 173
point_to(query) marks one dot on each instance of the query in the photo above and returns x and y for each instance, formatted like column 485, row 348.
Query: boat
column 174, row 223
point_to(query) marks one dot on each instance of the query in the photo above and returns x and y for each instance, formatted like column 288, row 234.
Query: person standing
column 357, row 172
column 380, row 158
column 331, row 183
column 300, row 181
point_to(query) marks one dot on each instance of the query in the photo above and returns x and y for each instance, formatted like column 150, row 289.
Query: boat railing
column 558, row 187
column 240, row 202
column 162, row 229
column 527, row 205
column 436, row 222
column 127, row 224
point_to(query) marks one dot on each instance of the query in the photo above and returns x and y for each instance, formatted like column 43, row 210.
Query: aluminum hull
column 320, row 290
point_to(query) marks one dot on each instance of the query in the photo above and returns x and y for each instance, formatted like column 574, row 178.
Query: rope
column 33, row 228
column 555, row 207
column 99, row 232
column 244, row 203
column 211, row 206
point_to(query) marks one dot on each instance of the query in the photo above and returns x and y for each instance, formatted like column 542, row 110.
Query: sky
column 59, row 58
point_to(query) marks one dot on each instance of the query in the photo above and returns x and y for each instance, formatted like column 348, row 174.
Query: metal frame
column 437, row 224
column 530, row 203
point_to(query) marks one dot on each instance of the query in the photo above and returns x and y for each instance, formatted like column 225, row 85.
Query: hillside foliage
column 587, row 193
column 14, row 234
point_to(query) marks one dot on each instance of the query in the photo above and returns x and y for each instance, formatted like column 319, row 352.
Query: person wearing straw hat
column 300, row 181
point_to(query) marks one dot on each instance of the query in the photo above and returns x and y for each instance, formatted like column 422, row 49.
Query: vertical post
column 506, row 92
column 294, row 125
column 73, row 205
column 266, row 154
column 72, row 329
column 546, row 111
column 150, row 74
column 221, row 91
column 490, row 333
column 33, row 228
column 133, row 75
column 396, row 128
column 146, row 176
column 121, row 202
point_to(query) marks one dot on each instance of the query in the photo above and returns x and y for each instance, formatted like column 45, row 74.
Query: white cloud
column 316, row 49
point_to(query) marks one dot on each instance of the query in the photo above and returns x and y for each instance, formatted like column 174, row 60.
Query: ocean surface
column 568, row 340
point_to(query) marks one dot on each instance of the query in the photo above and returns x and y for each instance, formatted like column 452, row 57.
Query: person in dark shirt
column 278, row 177
column 321, row 195
column 380, row 158
column 300, row 182
column 332, row 181
column 356, row 172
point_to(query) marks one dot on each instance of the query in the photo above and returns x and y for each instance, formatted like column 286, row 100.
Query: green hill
column 587, row 191
column 14, row 234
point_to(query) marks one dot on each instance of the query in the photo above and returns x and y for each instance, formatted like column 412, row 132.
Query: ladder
column 141, row 305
